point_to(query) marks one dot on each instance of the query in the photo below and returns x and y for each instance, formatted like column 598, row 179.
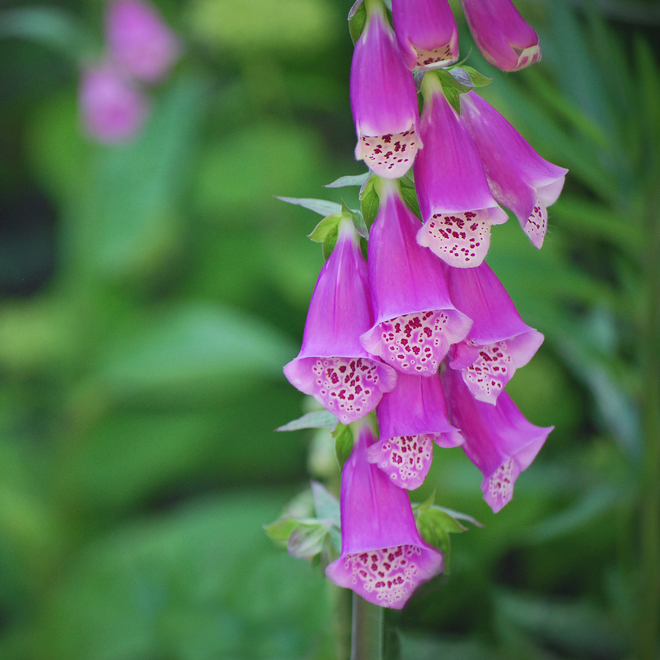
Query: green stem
column 367, row 638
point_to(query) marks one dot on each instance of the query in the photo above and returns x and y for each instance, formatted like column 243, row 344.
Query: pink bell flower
column 415, row 320
column 426, row 33
column 501, row 34
column 140, row 41
column 519, row 178
column 383, row 558
column 113, row 110
column 383, row 100
column 499, row 342
column 498, row 438
column 332, row 365
column 457, row 205
column 410, row 419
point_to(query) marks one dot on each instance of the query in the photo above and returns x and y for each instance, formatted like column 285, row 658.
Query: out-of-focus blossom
column 501, row 34
column 497, row 438
column 113, row 110
column 383, row 558
column 383, row 100
column 426, row 33
column 457, row 205
column 519, row 178
column 332, row 365
column 140, row 41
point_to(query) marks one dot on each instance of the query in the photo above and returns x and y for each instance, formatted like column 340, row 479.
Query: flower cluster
column 423, row 332
column 139, row 48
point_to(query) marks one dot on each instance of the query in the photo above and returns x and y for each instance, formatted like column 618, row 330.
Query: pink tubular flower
column 332, row 365
column 383, row 100
column 519, row 178
column 383, row 558
column 498, row 439
column 498, row 342
column 501, row 34
column 113, row 110
column 426, row 33
column 455, row 200
column 140, row 41
column 410, row 419
column 415, row 320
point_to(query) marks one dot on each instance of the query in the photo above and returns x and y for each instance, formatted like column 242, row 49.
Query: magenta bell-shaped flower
column 426, row 33
column 383, row 99
column 410, row 419
column 519, row 178
column 457, row 205
column 499, row 342
column 140, row 41
column 498, row 439
column 332, row 365
column 501, row 34
column 113, row 110
column 415, row 320
column 383, row 558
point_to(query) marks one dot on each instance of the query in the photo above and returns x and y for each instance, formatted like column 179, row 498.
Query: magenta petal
column 501, row 34
column 426, row 33
column 498, row 439
column 383, row 101
column 383, row 558
column 519, row 178
column 332, row 365
column 416, row 321
column 140, row 41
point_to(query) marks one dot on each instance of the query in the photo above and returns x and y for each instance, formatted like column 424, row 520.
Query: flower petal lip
column 519, row 178
column 415, row 319
column 383, row 558
column 383, row 101
column 426, row 33
column 501, row 34
column 498, row 438
column 332, row 365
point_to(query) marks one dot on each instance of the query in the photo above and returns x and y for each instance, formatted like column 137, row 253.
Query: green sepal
column 326, row 228
column 369, row 202
column 280, row 530
column 329, row 245
column 343, row 443
column 357, row 19
column 326, row 504
column 459, row 81
column 319, row 419
column 478, row 79
column 358, row 221
column 345, row 181
column 320, row 206
column 409, row 195
column 307, row 539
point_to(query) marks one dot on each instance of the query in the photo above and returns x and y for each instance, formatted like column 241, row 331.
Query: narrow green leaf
column 477, row 79
column 345, row 181
column 460, row 516
column 326, row 228
column 320, row 206
column 343, row 443
column 319, row 419
column 357, row 19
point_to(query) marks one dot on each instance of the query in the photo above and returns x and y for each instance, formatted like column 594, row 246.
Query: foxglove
column 497, row 438
column 519, row 178
column 332, row 365
column 499, row 342
column 456, row 203
column 426, row 33
column 383, row 99
column 415, row 320
column 501, row 34
column 139, row 40
column 383, row 558
column 410, row 419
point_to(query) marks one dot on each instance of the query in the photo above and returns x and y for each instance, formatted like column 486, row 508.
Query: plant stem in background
column 367, row 638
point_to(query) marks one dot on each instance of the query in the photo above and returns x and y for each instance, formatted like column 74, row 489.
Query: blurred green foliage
column 150, row 294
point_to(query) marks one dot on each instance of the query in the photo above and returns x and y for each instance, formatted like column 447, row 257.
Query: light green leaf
column 281, row 529
column 326, row 228
column 320, row 206
column 477, row 79
column 307, row 540
column 344, row 181
column 325, row 504
column 319, row 419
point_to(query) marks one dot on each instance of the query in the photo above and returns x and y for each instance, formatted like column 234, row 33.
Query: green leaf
column 369, row 202
column 326, row 504
column 319, row 419
column 329, row 245
column 307, row 540
column 460, row 82
column 326, row 228
column 358, row 221
column 453, row 96
column 477, row 79
column 344, row 181
column 410, row 198
column 281, row 529
column 357, row 19
column 343, row 443
column 461, row 77
column 320, row 206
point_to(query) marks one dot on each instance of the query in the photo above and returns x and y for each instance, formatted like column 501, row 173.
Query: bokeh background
column 151, row 292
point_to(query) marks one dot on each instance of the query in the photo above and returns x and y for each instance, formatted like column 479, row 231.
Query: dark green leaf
column 357, row 19
column 319, row 419
column 343, row 443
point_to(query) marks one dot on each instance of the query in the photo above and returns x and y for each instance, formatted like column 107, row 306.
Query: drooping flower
column 497, row 438
column 457, row 205
column 415, row 320
column 426, row 33
column 410, row 419
column 499, row 342
column 113, row 110
column 140, row 41
column 519, row 178
column 383, row 558
column 383, row 99
column 332, row 365
column 501, row 34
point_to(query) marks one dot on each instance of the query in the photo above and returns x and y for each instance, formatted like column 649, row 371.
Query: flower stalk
column 368, row 627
